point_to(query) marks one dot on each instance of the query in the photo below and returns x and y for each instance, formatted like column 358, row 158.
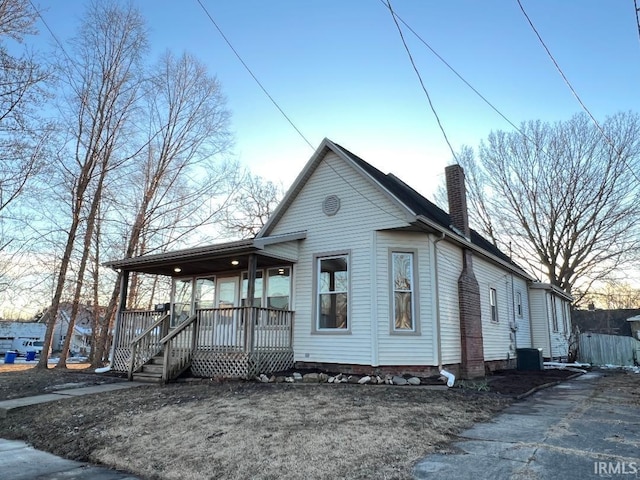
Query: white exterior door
column 227, row 328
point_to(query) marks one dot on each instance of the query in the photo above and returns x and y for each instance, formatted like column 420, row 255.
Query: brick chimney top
column 457, row 196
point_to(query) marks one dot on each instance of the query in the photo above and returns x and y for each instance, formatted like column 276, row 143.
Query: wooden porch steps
column 151, row 371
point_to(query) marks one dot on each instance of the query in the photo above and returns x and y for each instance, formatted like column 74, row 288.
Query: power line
column 575, row 94
column 450, row 67
column 264, row 90
column 424, row 88
column 252, row 74
column 635, row 4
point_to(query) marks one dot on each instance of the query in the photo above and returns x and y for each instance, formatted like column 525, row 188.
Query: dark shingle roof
column 420, row 205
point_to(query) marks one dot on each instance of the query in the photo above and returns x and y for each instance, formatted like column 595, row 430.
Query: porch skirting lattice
column 121, row 357
column 239, row 364
column 208, row 364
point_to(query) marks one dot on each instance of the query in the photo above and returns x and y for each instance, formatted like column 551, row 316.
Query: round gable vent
column 331, row 205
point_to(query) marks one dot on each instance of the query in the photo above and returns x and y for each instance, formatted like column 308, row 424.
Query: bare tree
column 177, row 184
column 251, row 207
column 564, row 197
column 613, row 295
column 103, row 77
column 23, row 135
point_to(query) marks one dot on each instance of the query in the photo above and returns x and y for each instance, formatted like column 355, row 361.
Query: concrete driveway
column 571, row 431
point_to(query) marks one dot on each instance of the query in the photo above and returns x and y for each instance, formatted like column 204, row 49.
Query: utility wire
column 575, row 94
column 252, row 74
column 455, row 72
column 424, row 88
column 635, row 4
column 264, row 90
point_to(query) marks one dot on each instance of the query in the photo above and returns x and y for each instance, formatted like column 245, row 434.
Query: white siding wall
column 404, row 349
column 449, row 268
column 559, row 338
column 540, row 320
column 287, row 250
column 523, row 322
column 497, row 337
column 363, row 209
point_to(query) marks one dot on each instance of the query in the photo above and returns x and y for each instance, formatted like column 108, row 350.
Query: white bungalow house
column 355, row 271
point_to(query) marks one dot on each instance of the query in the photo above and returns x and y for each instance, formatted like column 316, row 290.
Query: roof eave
column 242, row 246
column 462, row 241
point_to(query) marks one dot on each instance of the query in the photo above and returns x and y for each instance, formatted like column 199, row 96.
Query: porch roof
column 201, row 260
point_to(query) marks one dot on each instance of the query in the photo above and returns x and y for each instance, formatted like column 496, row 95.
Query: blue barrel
column 10, row 357
column 31, row 356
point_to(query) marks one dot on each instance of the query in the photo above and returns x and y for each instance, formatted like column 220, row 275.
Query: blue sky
column 339, row 70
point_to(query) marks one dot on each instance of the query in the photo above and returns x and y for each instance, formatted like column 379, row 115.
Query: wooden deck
column 237, row 342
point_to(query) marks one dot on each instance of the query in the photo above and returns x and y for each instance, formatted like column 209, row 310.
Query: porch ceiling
column 198, row 261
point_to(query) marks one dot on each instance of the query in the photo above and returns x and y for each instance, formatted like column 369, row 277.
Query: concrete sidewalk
column 6, row 406
column 568, row 431
column 19, row 461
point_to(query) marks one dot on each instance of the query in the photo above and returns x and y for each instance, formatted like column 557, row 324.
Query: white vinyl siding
column 288, row 251
column 554, row 344
column 363, row 209
column 540, row 321
column 497, row 336
column 523, row 322
column 404, row 348
column 559, row 339
column 449, row 267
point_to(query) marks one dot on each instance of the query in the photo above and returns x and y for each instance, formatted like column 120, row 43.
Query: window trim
column 493, row 305
column 519, row 306
column 315, row 294
column 415, row 294
column 554, row 314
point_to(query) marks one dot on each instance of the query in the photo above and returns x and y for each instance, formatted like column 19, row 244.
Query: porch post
column 124, row 288
column 251, row 291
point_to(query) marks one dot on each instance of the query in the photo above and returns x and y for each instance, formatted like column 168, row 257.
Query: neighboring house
column 377, row 277
column 14, row 334
column 81, row 339
column 634, row 324
column 550, row 320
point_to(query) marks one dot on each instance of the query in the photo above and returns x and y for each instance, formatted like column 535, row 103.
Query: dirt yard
column 240, row 430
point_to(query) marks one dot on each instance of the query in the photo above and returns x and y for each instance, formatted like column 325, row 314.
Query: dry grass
column 247, row 430
column 20, row 367
column 290, row 432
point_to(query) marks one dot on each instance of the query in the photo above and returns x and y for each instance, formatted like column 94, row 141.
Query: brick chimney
column 472, row 361
column 457, row 196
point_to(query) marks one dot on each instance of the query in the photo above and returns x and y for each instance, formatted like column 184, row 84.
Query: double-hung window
column 403, row 297
column 332, row 293
column 493, row 301
column 554, row 313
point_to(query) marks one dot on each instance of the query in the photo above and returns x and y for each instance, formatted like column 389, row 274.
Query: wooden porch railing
column 209, row 332
column 244, row 329
column 178, row 347
column 148, row 344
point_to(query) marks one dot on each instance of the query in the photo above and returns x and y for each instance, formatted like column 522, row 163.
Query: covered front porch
column 230, row 314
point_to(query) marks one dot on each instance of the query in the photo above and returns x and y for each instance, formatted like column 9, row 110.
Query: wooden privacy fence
column 601, row 349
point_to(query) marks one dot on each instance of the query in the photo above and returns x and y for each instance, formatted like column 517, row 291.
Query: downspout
column 449, row 376
column 374, row 300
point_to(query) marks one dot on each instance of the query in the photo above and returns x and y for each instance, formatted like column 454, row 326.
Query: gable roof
column 417, row 207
